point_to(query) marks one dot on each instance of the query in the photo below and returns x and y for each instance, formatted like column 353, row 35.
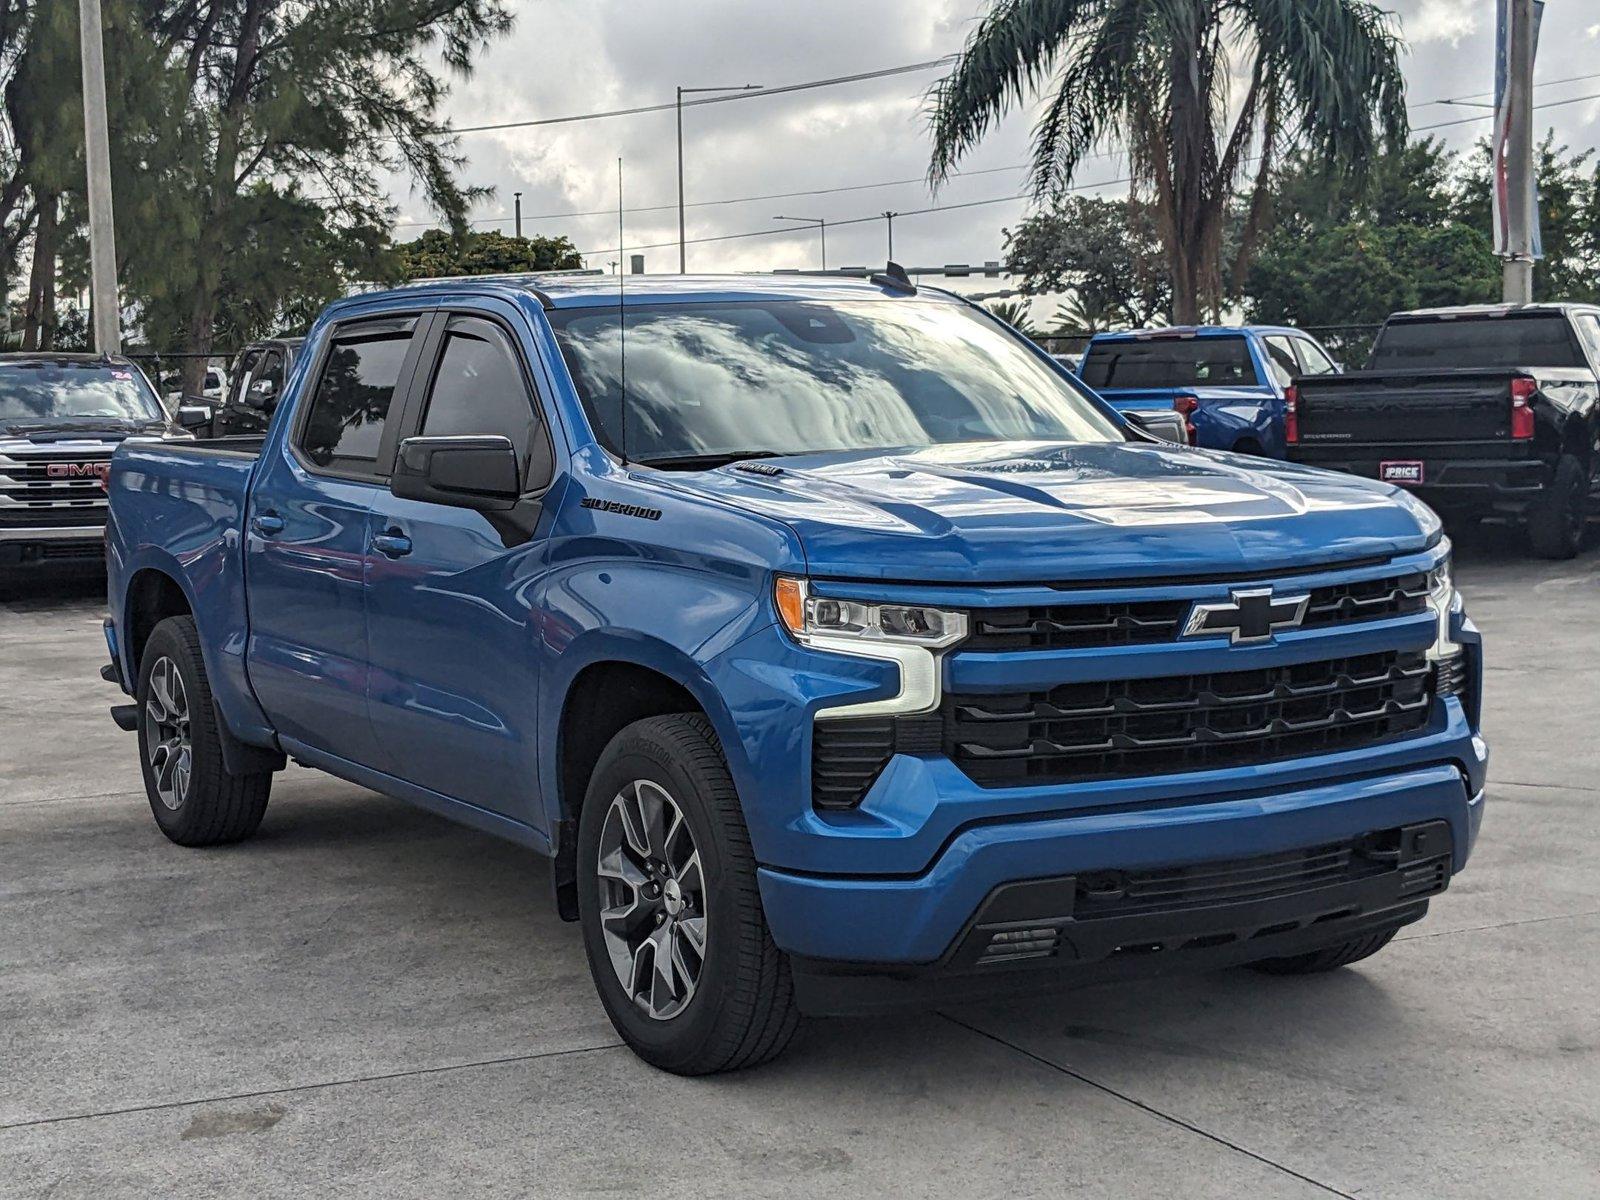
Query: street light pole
column 822, row 228
column 97, row 160
column 518, row 197
column 889, row 217
column 683, row 245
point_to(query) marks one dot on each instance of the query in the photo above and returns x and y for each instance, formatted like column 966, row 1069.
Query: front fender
column 652, row 651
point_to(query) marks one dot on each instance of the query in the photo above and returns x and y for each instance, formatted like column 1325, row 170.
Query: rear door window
column 1589, row 330
column 242, row 372
column 1169, row 362
column 1281, row 360
column 1313, row 359
column 350, row 409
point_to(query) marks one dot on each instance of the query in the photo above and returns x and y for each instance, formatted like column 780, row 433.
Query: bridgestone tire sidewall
column 677, row 1041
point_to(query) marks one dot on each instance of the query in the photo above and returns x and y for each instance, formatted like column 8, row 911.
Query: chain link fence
column 166, row 370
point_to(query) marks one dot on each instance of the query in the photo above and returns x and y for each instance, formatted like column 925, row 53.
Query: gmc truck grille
column 1087, row 626
column 53, row 488
column 1131, row 727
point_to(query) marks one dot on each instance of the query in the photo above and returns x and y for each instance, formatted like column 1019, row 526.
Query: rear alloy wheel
column 166, row 734
column 194, row 798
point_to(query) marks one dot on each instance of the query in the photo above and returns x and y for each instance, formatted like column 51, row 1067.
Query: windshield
column 1168, row 363
column 731, row 380
column 1532, row 341
column 66, row 391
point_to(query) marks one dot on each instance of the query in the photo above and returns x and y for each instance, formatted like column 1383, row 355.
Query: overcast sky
column 574, row 56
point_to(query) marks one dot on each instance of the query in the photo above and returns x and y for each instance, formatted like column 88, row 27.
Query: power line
column 1476, row 95
column 751, row 94
column 861, row 187
column 1490, row 116
column 606, row 212
column 905, row 212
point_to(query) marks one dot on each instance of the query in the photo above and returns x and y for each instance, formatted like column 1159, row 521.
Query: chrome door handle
column 266, row 524
column 394, row 545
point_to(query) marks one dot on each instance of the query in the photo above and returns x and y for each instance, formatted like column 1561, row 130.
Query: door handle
column 266, row 524
column 392, row 544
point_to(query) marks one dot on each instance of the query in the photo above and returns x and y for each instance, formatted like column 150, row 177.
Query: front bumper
column 919, row 919
column 23, row 548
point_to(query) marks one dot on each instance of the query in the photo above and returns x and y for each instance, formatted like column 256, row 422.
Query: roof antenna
column 622, row 326
column 893, row 278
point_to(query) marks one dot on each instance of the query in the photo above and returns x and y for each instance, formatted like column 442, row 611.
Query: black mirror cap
column 1168, row 426
column 464, row 472
column 262, row 394
column 193, row 416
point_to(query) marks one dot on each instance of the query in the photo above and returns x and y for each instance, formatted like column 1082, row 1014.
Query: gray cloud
column 569, row 56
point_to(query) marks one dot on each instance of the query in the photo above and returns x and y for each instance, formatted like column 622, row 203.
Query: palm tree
column 1015, row 314
column 1156, row 78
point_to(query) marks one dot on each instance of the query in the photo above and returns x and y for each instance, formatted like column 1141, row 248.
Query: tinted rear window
column 1531, row 341
column 1167, row 363
column 348, row 413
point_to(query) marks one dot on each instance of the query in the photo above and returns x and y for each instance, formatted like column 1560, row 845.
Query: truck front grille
column 1145, row 622
column 1132, row 727
column 53, row 488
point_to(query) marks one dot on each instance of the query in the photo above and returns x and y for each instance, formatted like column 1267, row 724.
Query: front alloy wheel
column 166, row 737
column 652, row 899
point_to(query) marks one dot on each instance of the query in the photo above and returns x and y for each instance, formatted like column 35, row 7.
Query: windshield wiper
column 706, row 462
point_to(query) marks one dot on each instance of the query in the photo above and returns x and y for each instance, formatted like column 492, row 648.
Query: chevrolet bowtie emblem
column 1248, row 615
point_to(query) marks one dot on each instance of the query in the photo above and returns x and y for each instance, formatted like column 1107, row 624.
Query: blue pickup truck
column 838, row 651
column 1228, row 381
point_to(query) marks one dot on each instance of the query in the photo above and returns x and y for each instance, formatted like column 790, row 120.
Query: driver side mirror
column 261, row 394
column 193, row 416
column 480, row 473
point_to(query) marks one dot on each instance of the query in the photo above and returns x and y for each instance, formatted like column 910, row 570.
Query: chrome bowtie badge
column 1248, row 615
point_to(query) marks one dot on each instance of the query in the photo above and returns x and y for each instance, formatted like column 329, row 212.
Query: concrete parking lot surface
column 365, row 1000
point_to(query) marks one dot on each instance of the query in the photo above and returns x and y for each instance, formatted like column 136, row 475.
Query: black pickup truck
column 1483, row 411
column 246, row 407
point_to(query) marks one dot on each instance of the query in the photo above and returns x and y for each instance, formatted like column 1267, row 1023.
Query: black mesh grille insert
column 1186, row 723
column 1080, row 626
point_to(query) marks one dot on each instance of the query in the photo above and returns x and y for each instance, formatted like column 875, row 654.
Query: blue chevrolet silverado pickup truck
column 1228, row 381
column 839, row 651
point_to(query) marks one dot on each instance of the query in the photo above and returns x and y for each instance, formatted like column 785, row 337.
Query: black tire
column 1556, row 521
column 741, row 1011
column 212, row 807
column 1329, row 958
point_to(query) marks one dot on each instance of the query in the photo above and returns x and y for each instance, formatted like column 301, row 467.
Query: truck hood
column 59, row 429
column 1046, row 511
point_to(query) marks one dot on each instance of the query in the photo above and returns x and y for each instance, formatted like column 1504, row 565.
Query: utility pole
column 518, row 197
column 1519, row 179
column 683, row 245
column 889, row 217
column 97, row 155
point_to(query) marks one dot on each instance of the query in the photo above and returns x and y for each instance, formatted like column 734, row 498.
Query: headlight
column 810, row 617
column 1441, row 597
column 908, row 635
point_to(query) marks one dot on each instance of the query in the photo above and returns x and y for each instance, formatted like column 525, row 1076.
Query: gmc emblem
column 88, row 470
